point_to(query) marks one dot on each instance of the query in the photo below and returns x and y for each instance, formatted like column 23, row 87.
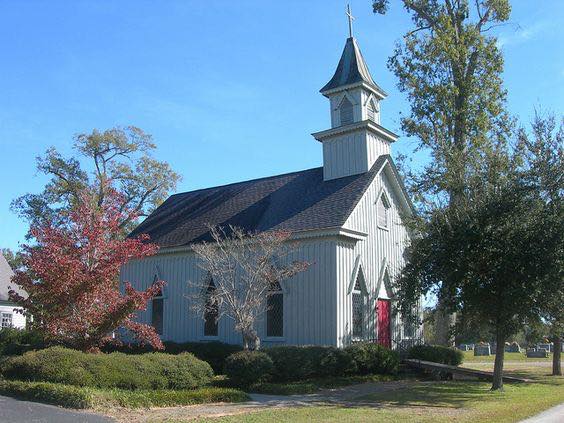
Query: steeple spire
column 356, row 138
column 352, row 69
column 351, row 18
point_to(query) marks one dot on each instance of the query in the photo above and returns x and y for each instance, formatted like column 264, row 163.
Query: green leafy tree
column 544, row 149
column 120, row 155
column 497, row 256
column 450, row 68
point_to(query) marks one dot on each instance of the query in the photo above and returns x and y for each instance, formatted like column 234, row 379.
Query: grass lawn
column 508, row 357
column 458, row 401
column 310, row 386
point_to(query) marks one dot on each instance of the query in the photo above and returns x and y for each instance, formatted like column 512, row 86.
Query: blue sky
column 229, row 90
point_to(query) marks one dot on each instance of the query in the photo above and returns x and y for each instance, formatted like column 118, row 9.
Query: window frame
column 8, row 315
column 204, row 320
column 160, row 298
column 358, row 291
column 387, row 204
column 277, row 290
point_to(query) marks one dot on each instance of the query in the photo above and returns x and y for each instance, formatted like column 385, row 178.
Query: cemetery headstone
column 482, row 350
column 537, row 353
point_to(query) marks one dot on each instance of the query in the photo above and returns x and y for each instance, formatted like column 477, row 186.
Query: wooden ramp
column 462, row 371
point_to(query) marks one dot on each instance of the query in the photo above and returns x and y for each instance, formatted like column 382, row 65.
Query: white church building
column 346, row 217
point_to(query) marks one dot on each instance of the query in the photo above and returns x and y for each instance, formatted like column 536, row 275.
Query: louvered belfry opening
column 346, row 111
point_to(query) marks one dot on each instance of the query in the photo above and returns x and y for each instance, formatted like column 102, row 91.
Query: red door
column 383, row 312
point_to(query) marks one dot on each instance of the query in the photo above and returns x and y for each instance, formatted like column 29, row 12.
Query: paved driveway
column 552, row 415
column 16, row 411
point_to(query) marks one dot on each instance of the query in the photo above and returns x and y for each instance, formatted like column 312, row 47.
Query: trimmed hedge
column 373, row 358
column 77, row 397
column 115, row 370
column 168, row 397
column 436, row 354
column 214, row 353
column 292, row 363
column 50, row 393
column 245, row 368
column 17, row 341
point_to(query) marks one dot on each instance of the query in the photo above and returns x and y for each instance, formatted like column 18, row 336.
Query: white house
column 345, row 215
column 10, row 314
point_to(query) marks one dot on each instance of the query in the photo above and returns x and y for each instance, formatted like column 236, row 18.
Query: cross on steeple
column 351, row 18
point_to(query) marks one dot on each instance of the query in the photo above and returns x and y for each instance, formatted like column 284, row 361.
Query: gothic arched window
column 346, row 111
column 275, row 312
column 357, row 309
column 157, row 310
column 211, row 312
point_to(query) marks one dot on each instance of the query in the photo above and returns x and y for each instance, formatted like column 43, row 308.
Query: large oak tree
column 120, row 155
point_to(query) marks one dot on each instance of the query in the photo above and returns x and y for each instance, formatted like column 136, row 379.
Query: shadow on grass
column 446, row 394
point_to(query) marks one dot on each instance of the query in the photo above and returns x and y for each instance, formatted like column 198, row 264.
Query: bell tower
column 356, row 138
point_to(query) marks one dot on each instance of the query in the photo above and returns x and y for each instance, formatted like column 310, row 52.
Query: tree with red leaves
column 71, row 277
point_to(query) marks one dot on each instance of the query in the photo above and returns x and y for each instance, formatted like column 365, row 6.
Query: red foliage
column 72, row 277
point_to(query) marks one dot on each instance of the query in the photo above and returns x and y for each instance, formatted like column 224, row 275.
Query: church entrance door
column 384, row 332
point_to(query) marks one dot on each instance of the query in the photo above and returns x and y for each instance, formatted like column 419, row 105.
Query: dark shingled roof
column 351, row 69
column 295, row 202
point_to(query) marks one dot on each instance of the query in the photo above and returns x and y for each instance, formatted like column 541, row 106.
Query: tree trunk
column 556, row 365
column 498, row 364
column 251, row 341
column 444, row 322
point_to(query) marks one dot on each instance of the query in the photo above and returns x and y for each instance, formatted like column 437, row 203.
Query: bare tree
column 242, row 269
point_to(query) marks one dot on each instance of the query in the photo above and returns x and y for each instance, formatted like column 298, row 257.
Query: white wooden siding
column 309, row 297
column 380, row 244
column 352, row 153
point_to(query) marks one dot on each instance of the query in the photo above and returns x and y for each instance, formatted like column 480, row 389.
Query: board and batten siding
column 352, row 153
column 309, row 297
column 381, row 248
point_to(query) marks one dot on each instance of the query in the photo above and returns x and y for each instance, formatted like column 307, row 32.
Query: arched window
column 346, row 111
column 275, row 312
column 211, row 312
column 383, row 211
column 157, row 310
column 357, row 309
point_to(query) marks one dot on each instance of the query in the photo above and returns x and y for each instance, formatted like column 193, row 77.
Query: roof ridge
column 246, row 181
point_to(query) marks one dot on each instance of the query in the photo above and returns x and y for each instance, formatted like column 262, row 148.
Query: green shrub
column 214, row 353
column 373, row 358
column 247, row 367
column 299, row 363
column 77, row 397
column 17, row 341
column 168, row 397
column 115, row 370
column 50, row 393
column 436, row 354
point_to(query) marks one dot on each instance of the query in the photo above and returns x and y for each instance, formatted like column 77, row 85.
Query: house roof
column 351, row 69
column 297, row 201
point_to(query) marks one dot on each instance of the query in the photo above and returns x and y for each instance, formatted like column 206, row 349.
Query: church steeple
column 351, row 70
column 356, row 138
